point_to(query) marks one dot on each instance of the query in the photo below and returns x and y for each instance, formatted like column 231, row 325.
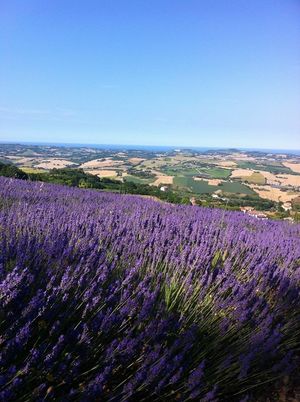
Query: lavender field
column 106, row 297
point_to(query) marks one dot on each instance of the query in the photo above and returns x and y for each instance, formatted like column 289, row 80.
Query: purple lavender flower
column 113, row 297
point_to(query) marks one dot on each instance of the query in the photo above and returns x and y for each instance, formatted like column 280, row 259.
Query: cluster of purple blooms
column 105, row 297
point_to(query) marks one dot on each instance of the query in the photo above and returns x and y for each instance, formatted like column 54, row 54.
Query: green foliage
column 297, row 217
column 69, row 177
column 281, row 214
column 254, row 201
column 130, row 187
column 12, row 171
column 296, row 204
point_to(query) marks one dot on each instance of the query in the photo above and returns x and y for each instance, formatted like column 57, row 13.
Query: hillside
column 115, row 297
column 267, row 181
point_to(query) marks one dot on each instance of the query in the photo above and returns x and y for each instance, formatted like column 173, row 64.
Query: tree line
column 79, row 178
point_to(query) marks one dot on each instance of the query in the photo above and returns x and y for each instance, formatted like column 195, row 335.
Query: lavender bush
column 106, row 297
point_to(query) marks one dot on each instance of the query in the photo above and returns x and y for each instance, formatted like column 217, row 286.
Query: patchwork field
column 183, row 171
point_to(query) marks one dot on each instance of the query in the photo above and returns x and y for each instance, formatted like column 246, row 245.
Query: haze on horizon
column 165, row 72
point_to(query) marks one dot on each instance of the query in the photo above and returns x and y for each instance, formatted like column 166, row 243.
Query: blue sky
column 158, row 72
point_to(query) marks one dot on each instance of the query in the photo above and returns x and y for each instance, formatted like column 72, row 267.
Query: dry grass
column 289, row 180
column 102, row 172
column 101, row 163
column 241, row 173
column 294, row 166
column 283, row 179
column 242, row 157
column 152, row 163
column 23, row 160
column 274, row 194
column 255, row 178
column 162, row 179
column 184, row 158
column 271, row 177
column 225, row 164
column 135, row 161
column 53, row 163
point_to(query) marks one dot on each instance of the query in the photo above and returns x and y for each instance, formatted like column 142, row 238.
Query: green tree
column 12, row 171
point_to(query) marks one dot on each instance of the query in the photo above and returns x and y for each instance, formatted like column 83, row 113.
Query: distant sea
column 154, row 148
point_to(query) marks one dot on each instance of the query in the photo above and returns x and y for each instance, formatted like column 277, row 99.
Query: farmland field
column 213, row 172
column 107, row 297
column 136, row 179
column 272, row 168
column 184, row 171
column 218, row 173
column 32, row 170
column 235, row 187
column 188, row 183
column 255, row 178
column 202, row 187
column 180, row 171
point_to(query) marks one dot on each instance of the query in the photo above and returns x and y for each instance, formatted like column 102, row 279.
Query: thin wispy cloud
column 24, row 111
column 56, row 113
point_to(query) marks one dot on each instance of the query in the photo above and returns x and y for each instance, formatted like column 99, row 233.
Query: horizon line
column 64, row 144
